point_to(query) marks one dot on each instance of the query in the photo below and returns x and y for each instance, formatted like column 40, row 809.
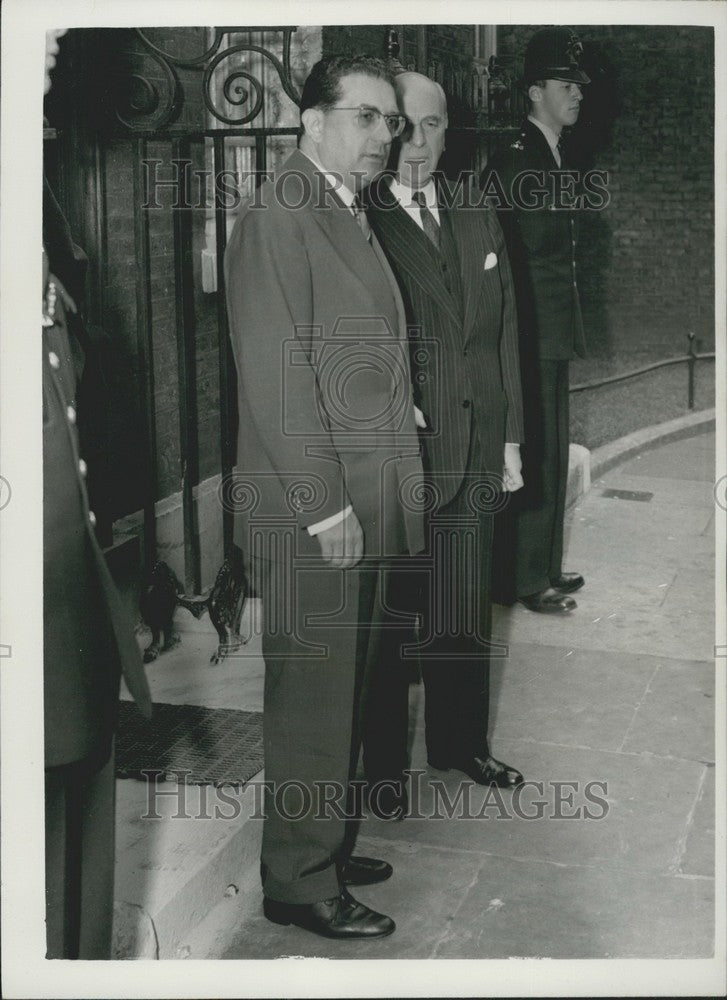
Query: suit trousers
column 79, row 860
column 321, row 628
column 539, row 507
column 452, row 644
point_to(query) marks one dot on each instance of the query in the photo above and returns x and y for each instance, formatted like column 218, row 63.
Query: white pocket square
column 490, row 260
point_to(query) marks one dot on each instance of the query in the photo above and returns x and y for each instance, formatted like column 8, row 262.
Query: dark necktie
column 359, row 215
column 561, row 153
column 429, row 223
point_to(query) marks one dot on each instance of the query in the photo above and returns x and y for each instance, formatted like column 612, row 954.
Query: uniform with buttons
column 542, row 245
column 541, row 242
column 87, row 643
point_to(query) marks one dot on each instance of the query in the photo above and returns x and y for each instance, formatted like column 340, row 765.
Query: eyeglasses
column 368, row 118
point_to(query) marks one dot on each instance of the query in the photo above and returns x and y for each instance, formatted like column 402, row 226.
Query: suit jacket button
column 92, row 518
column 82, row 468
column 465, row 403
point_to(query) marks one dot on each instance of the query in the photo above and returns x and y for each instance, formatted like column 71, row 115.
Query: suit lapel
column 396, row 293
column 471, row 252
column 409, row 249
column 336, row 220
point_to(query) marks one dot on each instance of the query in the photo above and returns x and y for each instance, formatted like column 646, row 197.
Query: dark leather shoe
column 486, row 771
column 548, row 602
column 364, row 871
column 340, row 917
column 387, row 798
column 568, row 583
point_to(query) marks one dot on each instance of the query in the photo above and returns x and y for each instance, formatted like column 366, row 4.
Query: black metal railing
column 691, row 358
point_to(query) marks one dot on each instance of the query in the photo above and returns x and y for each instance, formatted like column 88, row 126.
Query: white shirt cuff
column 329, row 522
column 419, row 419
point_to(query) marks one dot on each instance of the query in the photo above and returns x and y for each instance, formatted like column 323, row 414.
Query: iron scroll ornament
column 185, row 63
column 154, row 105
column 241, row 96
column 151, row 107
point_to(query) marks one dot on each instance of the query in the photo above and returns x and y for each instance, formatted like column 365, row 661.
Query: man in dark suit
column 327, row 449
column 88, row 641
column 453, row 271
column 540, row 228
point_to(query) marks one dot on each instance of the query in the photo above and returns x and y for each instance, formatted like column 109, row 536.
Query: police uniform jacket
column 87, row 638
column 542, row 245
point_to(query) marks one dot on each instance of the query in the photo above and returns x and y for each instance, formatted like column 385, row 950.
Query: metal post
column 145, row 350
column 227, row 385
column 186, row 365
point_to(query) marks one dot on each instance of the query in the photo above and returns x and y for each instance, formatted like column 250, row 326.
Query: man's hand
column 511, row 474
column 342, row 545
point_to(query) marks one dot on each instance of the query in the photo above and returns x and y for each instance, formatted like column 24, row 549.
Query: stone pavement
column 608, row 712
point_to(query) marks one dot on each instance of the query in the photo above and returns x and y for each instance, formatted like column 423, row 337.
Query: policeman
column 87, row 639
column 539, row 220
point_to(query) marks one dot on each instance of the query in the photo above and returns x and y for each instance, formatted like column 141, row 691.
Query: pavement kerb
column 612, row 454
column 585, row 466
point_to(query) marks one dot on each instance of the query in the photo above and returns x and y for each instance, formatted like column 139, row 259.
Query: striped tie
column 359, row 215
column 429, row 223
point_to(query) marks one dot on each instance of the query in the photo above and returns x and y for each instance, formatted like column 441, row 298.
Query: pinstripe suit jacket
column 464, row 353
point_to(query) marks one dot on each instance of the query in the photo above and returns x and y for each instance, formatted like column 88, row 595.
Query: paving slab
column 676, row 715
column 692, row 458
column 603, row 623
column 576, row 697
column 699, row 846
column 530, row 909
column 640, row 806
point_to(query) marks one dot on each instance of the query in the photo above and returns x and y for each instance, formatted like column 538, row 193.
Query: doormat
column 189, row 744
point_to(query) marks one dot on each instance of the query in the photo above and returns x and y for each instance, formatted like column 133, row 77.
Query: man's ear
column 535, row 93
column 312, row 122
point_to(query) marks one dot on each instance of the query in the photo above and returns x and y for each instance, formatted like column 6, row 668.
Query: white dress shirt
column 404, row 195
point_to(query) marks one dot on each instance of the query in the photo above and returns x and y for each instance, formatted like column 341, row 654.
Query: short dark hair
column 322, row 89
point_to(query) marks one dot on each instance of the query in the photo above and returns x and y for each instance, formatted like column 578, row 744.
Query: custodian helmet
column 553, row 54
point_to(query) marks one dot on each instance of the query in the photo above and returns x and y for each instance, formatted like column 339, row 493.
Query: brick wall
column 647, row 274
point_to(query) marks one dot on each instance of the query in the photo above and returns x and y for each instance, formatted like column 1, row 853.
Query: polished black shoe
column 485, row 771
column 340, row 917
column 548, row 602
column 567, row 583
column 364, row 871
column 387, row 798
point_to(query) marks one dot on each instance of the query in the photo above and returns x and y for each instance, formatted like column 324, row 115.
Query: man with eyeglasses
column 449, row 258
column 327, row 448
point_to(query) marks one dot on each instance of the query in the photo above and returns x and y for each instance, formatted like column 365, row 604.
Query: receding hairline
column 401, row 79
